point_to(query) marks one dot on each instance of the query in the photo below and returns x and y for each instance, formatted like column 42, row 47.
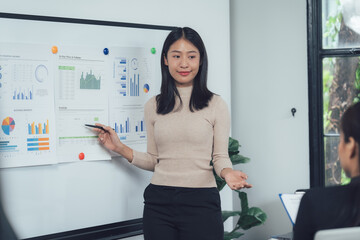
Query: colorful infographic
column 27, row 106
column 46, row 99
column 132, row 86
column 40, row 128
column 8, row 125
column 80, row 99
column 129, row 124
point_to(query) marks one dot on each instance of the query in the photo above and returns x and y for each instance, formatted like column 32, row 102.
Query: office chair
column 351, row 233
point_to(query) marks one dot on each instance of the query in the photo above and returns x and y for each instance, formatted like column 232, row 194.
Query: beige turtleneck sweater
column 181, row 144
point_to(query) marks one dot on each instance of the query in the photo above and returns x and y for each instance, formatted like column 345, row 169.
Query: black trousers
column 177, row 213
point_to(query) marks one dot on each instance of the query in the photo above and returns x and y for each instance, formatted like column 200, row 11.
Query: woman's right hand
column 111, row 141
column 108, row 138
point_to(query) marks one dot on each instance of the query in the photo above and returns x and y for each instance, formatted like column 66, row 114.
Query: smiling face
column 183, row 61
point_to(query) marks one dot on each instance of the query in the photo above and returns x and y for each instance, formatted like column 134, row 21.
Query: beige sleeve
column 221, row 158
column 148, row 160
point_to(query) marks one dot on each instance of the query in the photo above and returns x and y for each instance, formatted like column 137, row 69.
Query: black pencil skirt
column 178, row 213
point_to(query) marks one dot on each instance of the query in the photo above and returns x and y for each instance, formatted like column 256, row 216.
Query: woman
column 187, row 126
column 335, row 207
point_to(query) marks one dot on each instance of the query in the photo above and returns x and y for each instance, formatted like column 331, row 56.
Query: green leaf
column 344, row 179
column 236, row 159
column 233, row 153
column 220, row 183
column 227, row 214
column 249, row 217
column 253, row 217
column 357, row 73
column 233, row 145
column 244, row 201
column 232, row 235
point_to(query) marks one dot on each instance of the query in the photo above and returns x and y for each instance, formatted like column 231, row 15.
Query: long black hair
column 200, row 95
column 350, row 127
column 350, row 124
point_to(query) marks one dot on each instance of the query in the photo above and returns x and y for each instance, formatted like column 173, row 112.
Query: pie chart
column 146, row 88
column 8, row 125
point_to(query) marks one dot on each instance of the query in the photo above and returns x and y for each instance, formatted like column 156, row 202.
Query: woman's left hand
column 235, row 179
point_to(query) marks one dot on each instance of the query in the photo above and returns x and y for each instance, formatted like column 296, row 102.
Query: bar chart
column 123, row 127
column 39, row 128
column 129, row 125
column 130, row 76
column 6, row 146
column 23, row 94
column 134, row 85
column 140, row 126
column 90, row 81
column 38, row 144
column 123, row 61
column 121, row 76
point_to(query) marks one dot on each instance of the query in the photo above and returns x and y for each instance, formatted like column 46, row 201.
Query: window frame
column 316, row 54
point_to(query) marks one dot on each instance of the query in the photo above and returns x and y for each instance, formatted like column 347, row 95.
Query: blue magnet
column 106, row 51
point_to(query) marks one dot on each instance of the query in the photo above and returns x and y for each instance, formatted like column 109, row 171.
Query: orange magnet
column 81, row 156
column 54, row 49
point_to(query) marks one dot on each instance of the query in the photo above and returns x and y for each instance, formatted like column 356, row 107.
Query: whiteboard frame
column 117, row 230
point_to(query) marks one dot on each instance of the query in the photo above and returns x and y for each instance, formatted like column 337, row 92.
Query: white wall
column 269, row 77
column 209, row 17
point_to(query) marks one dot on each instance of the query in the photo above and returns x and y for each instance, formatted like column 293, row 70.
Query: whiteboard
column 47, row 199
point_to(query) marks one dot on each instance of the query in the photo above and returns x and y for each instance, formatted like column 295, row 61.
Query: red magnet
column 81, row 156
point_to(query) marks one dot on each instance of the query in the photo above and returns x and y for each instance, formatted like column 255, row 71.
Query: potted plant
column 248, row 216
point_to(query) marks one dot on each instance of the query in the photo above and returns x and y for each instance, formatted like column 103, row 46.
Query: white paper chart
column 47, row 98
column 81, row 98
column 133, row 83
column 291, row 203
column 27, row 135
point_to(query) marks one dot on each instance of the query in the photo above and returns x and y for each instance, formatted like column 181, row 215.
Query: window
column 334, row 81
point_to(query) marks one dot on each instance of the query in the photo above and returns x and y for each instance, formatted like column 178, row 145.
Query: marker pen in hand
column 95, row 126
